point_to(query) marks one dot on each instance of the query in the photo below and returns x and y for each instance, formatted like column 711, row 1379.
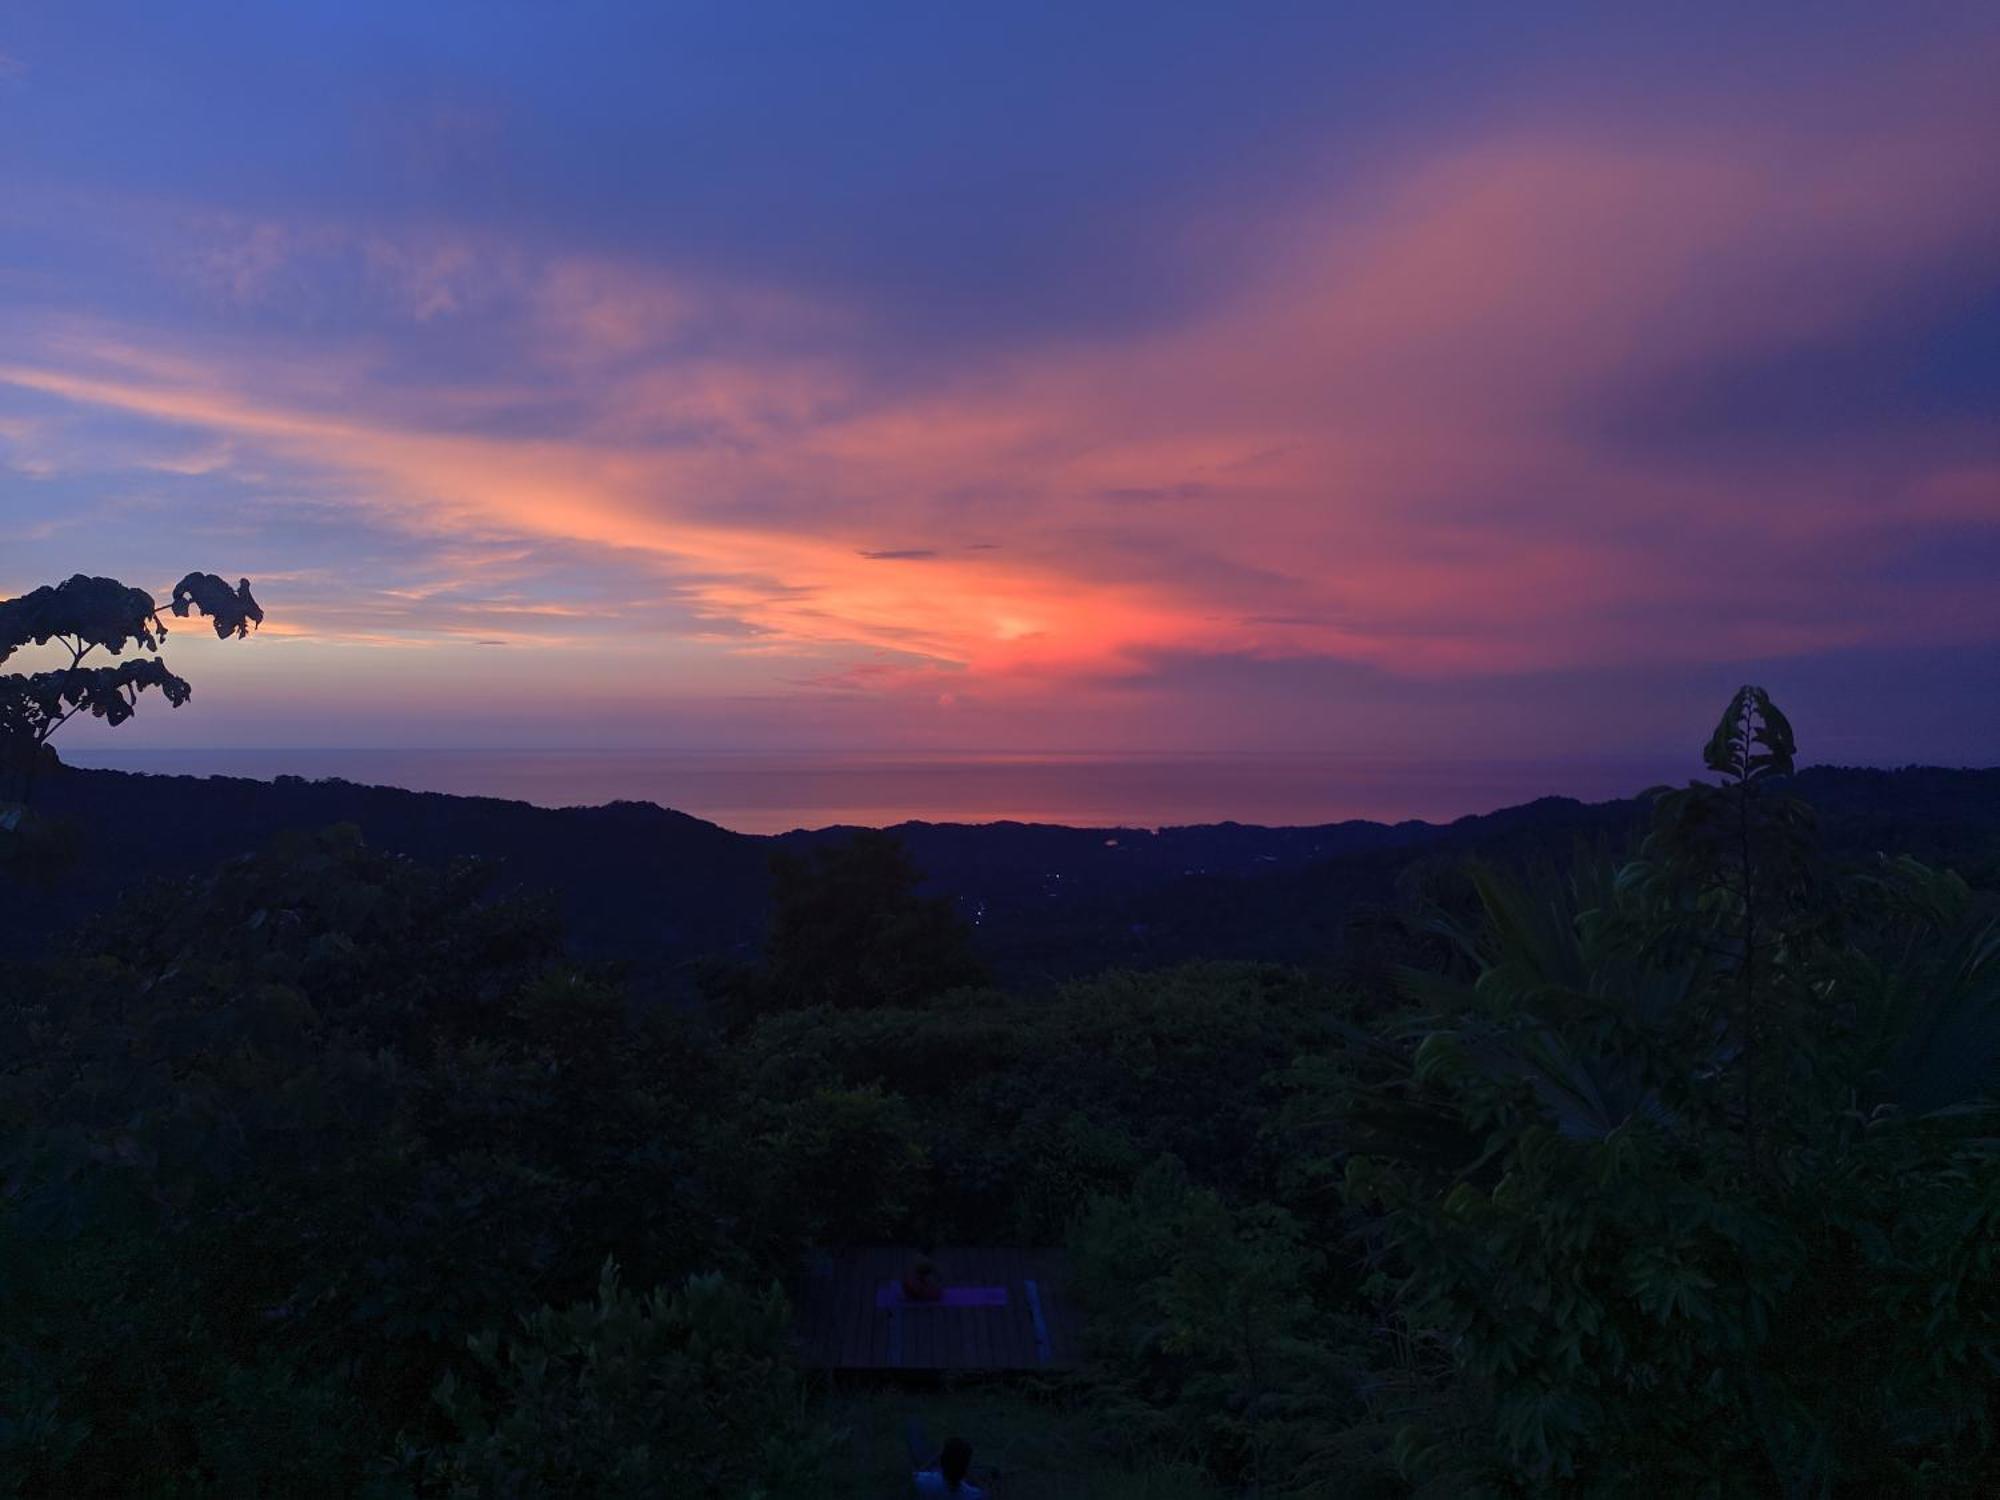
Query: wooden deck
column 1004, row 1309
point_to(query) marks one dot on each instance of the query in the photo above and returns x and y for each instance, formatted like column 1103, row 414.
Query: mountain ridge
column 664, row 890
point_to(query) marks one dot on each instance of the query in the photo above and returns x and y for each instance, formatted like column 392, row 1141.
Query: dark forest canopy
column 1656, row 1160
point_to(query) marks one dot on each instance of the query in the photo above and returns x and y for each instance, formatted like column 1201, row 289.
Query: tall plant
column 1723, row 1217
column 1739, row 866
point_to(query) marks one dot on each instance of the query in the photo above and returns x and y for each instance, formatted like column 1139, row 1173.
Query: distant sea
column 771, row 791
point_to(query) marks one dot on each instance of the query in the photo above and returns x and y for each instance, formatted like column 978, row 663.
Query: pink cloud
column 1374, row 446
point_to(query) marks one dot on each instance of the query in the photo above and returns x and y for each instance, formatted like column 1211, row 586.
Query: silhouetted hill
column 661, row 889
column 633, row 880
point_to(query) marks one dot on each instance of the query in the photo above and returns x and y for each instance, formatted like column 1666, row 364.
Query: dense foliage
column 849, row 928
column 1684, row 1170
column 1672, row 1169
column 678, row 1393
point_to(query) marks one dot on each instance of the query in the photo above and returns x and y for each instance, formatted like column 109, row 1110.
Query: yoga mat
column 890, row 1294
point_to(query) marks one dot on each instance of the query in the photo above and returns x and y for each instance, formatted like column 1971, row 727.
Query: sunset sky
column 1396, row 379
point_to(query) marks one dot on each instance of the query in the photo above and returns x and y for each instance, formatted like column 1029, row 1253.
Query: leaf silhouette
column 93, row 611
column 233, row 611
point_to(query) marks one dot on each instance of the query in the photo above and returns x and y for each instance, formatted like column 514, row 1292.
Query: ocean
column 771, row 791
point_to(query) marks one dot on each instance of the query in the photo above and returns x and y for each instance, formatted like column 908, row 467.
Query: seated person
column 947, row 1477
column 923, row 1282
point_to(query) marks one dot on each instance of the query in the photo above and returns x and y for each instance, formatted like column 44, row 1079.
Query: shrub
column 671, row 1393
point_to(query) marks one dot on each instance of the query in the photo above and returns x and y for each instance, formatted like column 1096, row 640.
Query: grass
column 1043, row 1449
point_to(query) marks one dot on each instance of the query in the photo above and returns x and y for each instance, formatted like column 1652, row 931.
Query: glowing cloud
column 1570, row 393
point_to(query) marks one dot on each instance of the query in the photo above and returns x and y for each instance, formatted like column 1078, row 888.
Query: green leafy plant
column 1207, row 1338
column 1695, row 1234
column 683, row 1392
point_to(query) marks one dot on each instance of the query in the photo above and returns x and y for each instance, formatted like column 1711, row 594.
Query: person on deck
column 947, row 1478
column 923, row 1282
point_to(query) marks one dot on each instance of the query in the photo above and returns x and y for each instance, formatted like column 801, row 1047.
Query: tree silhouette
column 83, row 616
column 849, row 927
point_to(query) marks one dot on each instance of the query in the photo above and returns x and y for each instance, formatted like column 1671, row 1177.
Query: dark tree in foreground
column 83, row 616
column 849, row 928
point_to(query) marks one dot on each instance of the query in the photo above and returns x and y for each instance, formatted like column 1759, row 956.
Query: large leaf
column 93, row 611
column 1752, row 740
column 232, row 611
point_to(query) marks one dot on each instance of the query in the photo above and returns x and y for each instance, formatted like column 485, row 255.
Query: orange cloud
column 1377, row 446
